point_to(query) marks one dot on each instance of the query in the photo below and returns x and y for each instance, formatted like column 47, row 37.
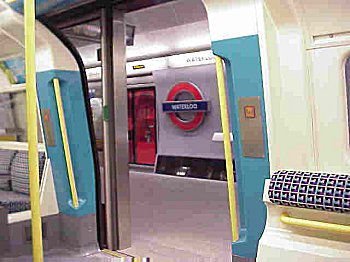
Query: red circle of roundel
column 199, row 116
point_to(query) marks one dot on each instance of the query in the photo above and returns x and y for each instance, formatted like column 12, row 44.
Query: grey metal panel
column 20, row 245
column 140, row 80
column 242, row 259
column 108, row 125
column 140, row 86
column 122, row 186
column 78, row 233
column 115, row 130
column 251, row 126
column 175, row 142
column 4, row 231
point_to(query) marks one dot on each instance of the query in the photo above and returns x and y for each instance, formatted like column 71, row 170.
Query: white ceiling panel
column 325, row 16
column 189, row 11
column 151, row 19
column 167, row 15
column 9, row 48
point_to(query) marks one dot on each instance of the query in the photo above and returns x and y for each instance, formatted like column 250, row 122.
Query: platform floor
column 179, row 219
column 173, row 219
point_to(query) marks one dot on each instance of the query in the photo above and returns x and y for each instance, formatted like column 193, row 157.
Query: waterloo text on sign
column 186, row 106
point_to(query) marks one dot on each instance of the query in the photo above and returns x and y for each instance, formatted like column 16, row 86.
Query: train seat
column 321, row 191
column 13, row 201
column 14, row 179
column 308, row 217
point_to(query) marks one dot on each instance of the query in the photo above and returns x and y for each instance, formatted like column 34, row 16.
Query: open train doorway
column 179, row 210
column 179, row 207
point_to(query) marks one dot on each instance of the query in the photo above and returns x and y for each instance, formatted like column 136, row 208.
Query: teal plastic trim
column 79, row 141
column 244, row 79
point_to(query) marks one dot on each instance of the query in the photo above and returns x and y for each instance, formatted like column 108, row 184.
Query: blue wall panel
column 244, row 79
column 79, row 140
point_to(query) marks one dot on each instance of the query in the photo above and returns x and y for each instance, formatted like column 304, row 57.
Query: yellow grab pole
column 29, row 29
column 324, row 226
column 62, row 120
column 227, row 147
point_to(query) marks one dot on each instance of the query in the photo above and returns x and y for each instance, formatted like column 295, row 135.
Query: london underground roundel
column 185, row 106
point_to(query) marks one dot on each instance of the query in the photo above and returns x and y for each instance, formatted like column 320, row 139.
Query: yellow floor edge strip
column 122, row 255
column 113, row 253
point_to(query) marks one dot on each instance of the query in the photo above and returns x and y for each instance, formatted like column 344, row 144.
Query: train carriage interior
column 174, row 130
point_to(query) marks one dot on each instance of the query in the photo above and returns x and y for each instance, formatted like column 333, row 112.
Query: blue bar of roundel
column 195, row 106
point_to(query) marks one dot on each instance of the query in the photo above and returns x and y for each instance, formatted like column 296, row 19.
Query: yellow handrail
column 227, row 147
column 324, row 226
column 67, row 154
column 33, row 159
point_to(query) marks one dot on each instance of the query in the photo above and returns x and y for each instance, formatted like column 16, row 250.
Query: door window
column 142, row 126
column 347, row 78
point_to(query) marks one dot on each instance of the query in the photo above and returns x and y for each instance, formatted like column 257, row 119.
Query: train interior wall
column 307, row 92
column 305, row 49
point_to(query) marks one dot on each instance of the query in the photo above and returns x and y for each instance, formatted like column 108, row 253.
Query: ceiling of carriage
column 168, row 15
column 323, row 17
column 147, row 21
column 55, row 10
column 151, row 18
column 174, row 27
column 317, row 17
column 52, row 7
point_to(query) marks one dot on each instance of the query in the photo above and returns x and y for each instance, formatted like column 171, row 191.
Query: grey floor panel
column 179, row 219
column 65, row 255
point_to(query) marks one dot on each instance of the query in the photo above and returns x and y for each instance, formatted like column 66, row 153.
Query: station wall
column 173, row 141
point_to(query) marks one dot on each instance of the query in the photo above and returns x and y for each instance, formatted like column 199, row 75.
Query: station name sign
column 197, row 106
column 186, row 106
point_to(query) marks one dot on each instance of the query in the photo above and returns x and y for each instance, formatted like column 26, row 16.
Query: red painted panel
column 130, row 127
column 145, row 126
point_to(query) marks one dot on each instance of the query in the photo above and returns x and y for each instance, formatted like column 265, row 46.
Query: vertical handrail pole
column 227, row 148
column 29, row 30
column 73, row 189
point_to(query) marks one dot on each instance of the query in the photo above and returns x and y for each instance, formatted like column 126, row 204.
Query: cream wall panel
column 331, row 124
column 50, row 53
column 231, row 18
column 287, row 89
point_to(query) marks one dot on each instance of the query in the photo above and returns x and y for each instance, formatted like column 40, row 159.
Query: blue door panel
column 78, row 137
column 244, row 79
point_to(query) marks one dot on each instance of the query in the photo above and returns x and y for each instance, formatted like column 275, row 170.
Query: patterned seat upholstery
column 6, row 157
column 329, row 192
column 17, row 200
column 20, row 172
column 14, row 202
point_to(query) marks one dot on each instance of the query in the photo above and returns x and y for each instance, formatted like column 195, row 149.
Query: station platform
column 179, row 219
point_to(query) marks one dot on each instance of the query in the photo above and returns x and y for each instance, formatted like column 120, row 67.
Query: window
column 14, row 168
column 347, row 78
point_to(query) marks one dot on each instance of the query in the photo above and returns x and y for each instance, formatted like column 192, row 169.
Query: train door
column 331, row 82
column 131, row 127
column 142, row 126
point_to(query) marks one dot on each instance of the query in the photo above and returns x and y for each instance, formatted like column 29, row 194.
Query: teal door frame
column 244, row 79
